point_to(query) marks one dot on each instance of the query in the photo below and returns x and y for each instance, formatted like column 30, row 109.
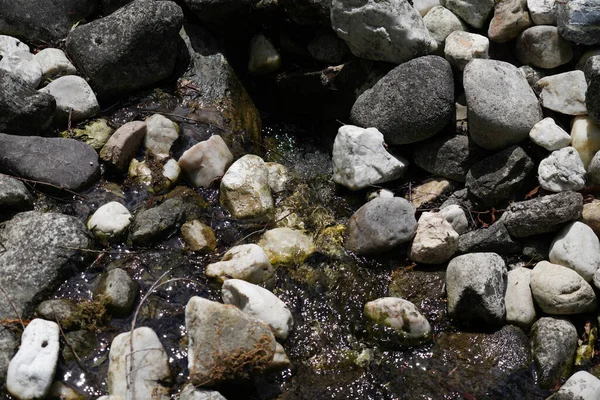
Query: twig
column 13, row 307
column 49, row 184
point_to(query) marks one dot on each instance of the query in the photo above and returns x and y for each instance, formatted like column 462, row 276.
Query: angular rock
column 119, row 291
column 549, row 135
column 473, row 13
column 543, row 12
column 561, row 171
column 585, row 138
column 429, row 191
column 247, row 262
column 564, row 93
column 161, row 133
column 279, row 176
column 441, row 22
column 462, row 47
column 577, row 247
column 54, row 63
column 542, row 46
column 198, row 236
column 579, row 21
column 435, row 241
column 581, row 385
column 206, row 161
column 511, row 17
column 495, row 239
column 14, row 194
column 23, row 65
column 456, row 217
column 109, row 221
column 123, row 144
column 264, row 57
column 520, row 309
column 286, row 246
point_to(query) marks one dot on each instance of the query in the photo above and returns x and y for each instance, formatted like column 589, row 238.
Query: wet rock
column 411, row 103
column 543, row 12
column 109, row 221
column 96, row 133
column 591, row 215
column 578, row 21
column 520, row 309
column 60, row 310
column 564, row 93
column 286, row 246
column 159, row 175
column 435, row 241
column 75, row 99
column 381, row 225
column 577, row 247
column 511, row 17
column 494, row 239
column 279, row 176
column 190, row 392
column 581, row 385
column 473, row 13
column 327, row 47
column 456, row 217
column 549, row 135
column 360, row 159
column 158, row 222
column 543, row 47
column 264, row 57
column 502, row 106
column 161, row 133
column 429, row 191
column 123, row 144
column 554, row 342
column 562, row 170
column 14, row 194
column 119, row 290
column 81, row 342
column 441, row 22
column 280, row 360
column 198, row 236
column 23, row 65
column 54, row 63
column 559, row 290
column 585, row 138
column 248, row 262
column 206, row 161
column 224, row 343
column 31, row 371
column 462, row 47
column 475, row 284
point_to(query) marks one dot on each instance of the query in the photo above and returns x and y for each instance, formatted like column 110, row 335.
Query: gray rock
column 577, row 247
column 190, row 392
column 495, row 239
column 511, row 17
column 81, row 342
column 531, row 74
column 537, row 247
column 14, row 194
column 462, row 47
column 561, row 171
column 456, row 217
column 520, row 309
column 8, row 348
column 74, row 97
column 380, row 225
column 65, row 163
column 59, row 310
column 119, row 290
column 593, row 170
column 411, row 103
column 543, row 214
column 475, row 284
column 130, row 49
column 554, row 342
column 24, row 65
column 591, row 67
column 564, row 93
column 580, row 386
column 592, row 95
column 502, row 106
column 542, row 46
column 579, row 21
column 474, row 13
column 543, row 12
column 500, row 176
column 441, row 22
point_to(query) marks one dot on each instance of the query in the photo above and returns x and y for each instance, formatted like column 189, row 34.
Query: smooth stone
column 123, row 144
column 161, row 133
column 279, row 177
column 435, row 241
column 206, row 162
column 456, row 217
column 380, row 193
column 54, row 63
column 441, row 22
column 543, row 47
column 564, row 93
column 259, row 303
column 591, row 215
column 24, row 65
column 264, row 57
column 561, row 171
column 9, row 44
column 198, row 237
column 429, row 191
column 118, row 290
column 286, row 246
column 75, row 99
column 462, row 47
column 520, row 309
column 247, row 262
column 494, row 238
column 14, row 194
column 543, row 12
column 578, row 21
column 585, row 138
column 577, row 247
column 96, row 133
column 548, row 135
column 190, row 392
column 580, row 386
column 473, row 13
column 109, row 221
column 424, row 6
column 61, row 310
column 511, row 17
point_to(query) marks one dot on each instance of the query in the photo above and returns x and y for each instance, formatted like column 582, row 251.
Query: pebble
column 286, row 246
column 198, row 237
column 543, row 47
column 161, row 133
column 520, row 309
column 462, row 47
column 14, row 194
column 564, row 93
column 75, row 99
column 123, row 144
column 109, row 221
column 473, row 13
column 429, row 191
column 248, row 262
column 561, row 171
column 511, row 17
column 59, row 310
column 54, row 63
column 585, row 138
column 264, row 58
column 577, row 247
column 435, row 241
column 549, row 135
column 591, row 215
column 206, row 162
column 118, row 290
column 441, row 22
column 456, row 217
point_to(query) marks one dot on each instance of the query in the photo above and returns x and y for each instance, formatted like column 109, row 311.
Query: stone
column 380, row 193
column 119, row 292
column 309, row 12
column 592, row 74
column 14, row 194
column 152, row 175
column 456, row 217
column 8, row 348
column 548, row 135
column 224, row 343
column 562, row 170
column 542, row 214
column 264, row 57
column 54, row 63
column 435, row 241
column 558, row 290
column 31, row 371
column 500, row 176
column 494, row 238
column 60, row 310
column 280, row 360
column 554, row 342
column 441, row 22
column 424, row 6
column 532, row 75
column 138, row 367
column 462, row 47
column 543, row 12
column 360, row 159
column 206, row 162
column 279, row 176
column 109, row 221
column 198, row 237
column 580, row 386
column 286, row 246
column 511, row 17
column 74, row 97
column 577, row 247
column 585, row 138
column 413, row 102
column 591, row 215
column 429, row 191
column 23, row 65
column 543, row 47
column 327, row 47
column 61, row 390
column 502, row 106
column 520, row 309
column 245, row 190
column 473, row 13
column 582, row 64
column 96, row 133
column 190, row 392
column 247, row 262
column 400, row 34
column 380, row 225
column 161, row 133
column 259, row 303
column 9, row 44
column 81, row 342
column 564, row 93
column 475, row 285
column 578, row 21
column 123, row 144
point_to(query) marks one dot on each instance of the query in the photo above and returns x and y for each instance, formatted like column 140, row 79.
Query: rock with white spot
column 520, row 309
column 564, row 93
column 580, row 386
column 549, row 135
column 435, row 242
column 441, row 22
column 264, row 58
column 577, row 247
column 31, row 371
column 75, row 99
column 562, row 170
column 161, row 133
column 462, row 47
column 119, row 291
column 429, row 191
column 198, row 236
column 206, row 161
column 585, row 138
column 474, row 13
column 286, row 246
column 123, row 144
column 109, row 221
column 24, row 65
column 423, row 6
column 543, row 12
column 248, row 262
column 456, row 217
column 510, row 19
column 259, row 303
column 542, row 46
column 54, row 63
column 360, row 158
column 190, row 392
column 279, row 176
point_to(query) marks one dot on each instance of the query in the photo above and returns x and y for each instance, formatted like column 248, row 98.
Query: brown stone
column 510, row 19
column 123, row 144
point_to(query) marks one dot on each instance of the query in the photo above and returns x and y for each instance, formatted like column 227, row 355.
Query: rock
column 14, row 194
column 423, row 101
column 543, row 47
column 247, row 262
column 75, row 99
column 123, row 144
column 542, row 214
column 286, row 246
column 161, row 132
column 591, row 215
column 259, row 303
column 592, row 74
column 543, row 12
column 581, row 385
column 158, row 174
column 264, row 58
column 441, row 22
column 562, row 170
column 424, row 6
column 531, row 74
column 9, row 44
column 39, row 249
column 119, row 290
column 381, row 225
column 473, row 13
column 500, row 176
column 577, row 247
column 360, row 159
column 520, row 309
column 456, row 217
column 198, row 237
column 494, row 239
column 280, row 360
column 54, row 63
column 380, row 193
column 462, row 47
column 400, row 35
column 429, row 191
column 549, row 135
column 24, row 110
column 23, row 65
column 245, row 347
column 502, row 106
column 578, row 21
column 585, row 138
column 475, row 284
column 8, row 348
column 435, row 241
column 245, row 191
column 139, row 56
column 327, row 47
column 158, row 222
column 279, row 176
column 81, row 342
column 206, row 162
column 31, row 371
column 109, row 221
column 582, row 64
column 61, row 390
column 511, row 17
column 96, row 133
column 139, row 366
column 396, row 322
column 554, row 342
column 564, row 93
column 190, row 392
column 559, row 290
column 61, row 310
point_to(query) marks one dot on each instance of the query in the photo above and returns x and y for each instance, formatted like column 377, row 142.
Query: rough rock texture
column 435, row 241
column 562, row 170
column 564, row 93
column 579, row 21
column 14, row 194
column 248, row 262
column 462, row 47
column 198, row 236
column 580, row 386
column 510, row 19
column 123, row 144
column 549, row 135
column 494, row 238
column 8, row 348
column 543, row 47
column 520, row 309
column 577, row 247
column 474, row 13
column 543, row 12
column 593, row 93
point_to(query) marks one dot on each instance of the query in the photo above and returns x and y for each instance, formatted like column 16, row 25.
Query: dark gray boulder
column 132, row 48
column 63, row 163
column 579, row 21
column 14, row 194
column 413, row 102
column 494, row 239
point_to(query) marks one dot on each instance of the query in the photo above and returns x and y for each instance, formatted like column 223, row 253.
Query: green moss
column 89, row 315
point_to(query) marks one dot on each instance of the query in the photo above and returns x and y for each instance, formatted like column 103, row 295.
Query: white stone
column 286, row 246
column 549, row 135
column 380, row 193
column 562, row 170
column 24, row 65
column 171, row 171
column 248, row 262
column 279, row 176
column 360, row 158
column 9, row 44
column 31, row 370
column 580, row 386
column 161, row 133
column 462, row 47
column 564, row 93
column 259, row 303
column 520, row 309
column 456, row 217
column 585, row 138
column 54, row 63
column 474, row 13
column 577, row 247
column 435, row 242
column 140, row 172
column 400, row 315
column 109, row 221
column 190, row 392
column 423, row 6
column 543, row 12
column 441, row 22
column 207, row 161
column 74, row 97
column 264, row 58
column 137, row 366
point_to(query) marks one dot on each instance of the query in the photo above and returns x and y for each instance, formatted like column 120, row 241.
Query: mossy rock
column 96, row 133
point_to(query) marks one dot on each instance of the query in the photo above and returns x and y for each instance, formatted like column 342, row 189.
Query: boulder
column 14, row 194
column 286, row 246
column 579, row 21
column 520, row 309
column 119, row 291
column 562, row 171
column 247, row 262
column 109, row 221
column 206, row 162
column 543, row 47
column 511, row 17
column 564, row 93
column 123, row 144
column 473, row 13
column 577, row 247
column 549, row 135
column 435, row 241
column 462, row 47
